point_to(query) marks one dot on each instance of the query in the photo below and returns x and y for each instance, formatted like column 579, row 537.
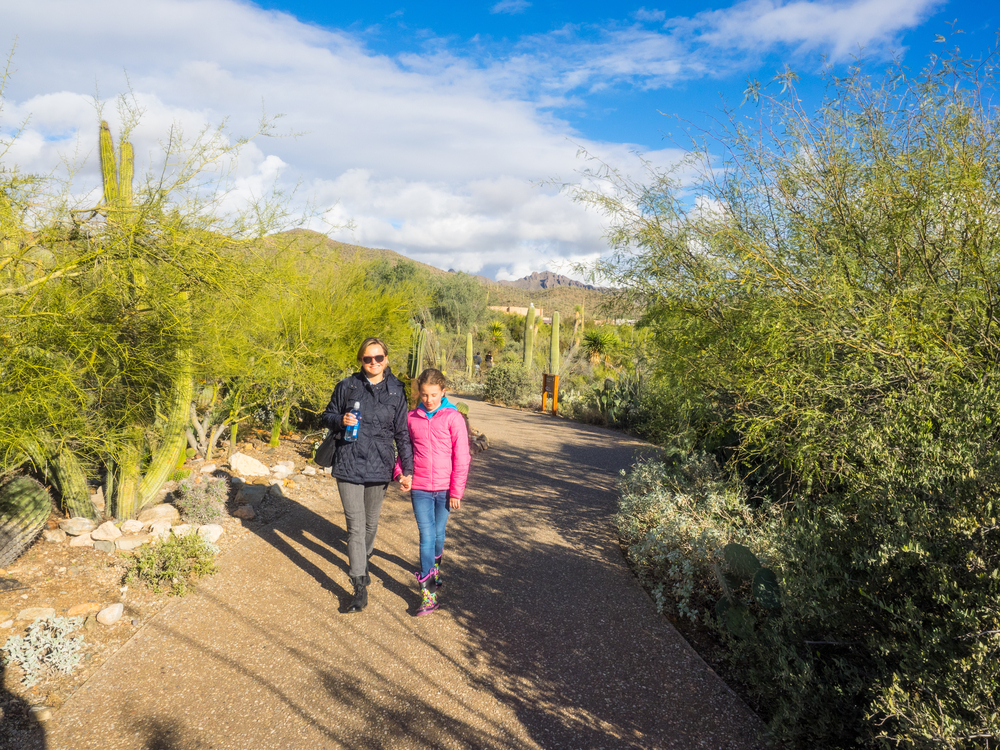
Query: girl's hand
column 348, row 419
column 454, row 503
column 405, row 483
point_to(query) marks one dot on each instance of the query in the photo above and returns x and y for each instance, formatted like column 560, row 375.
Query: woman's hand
column 405, row 483
column 454, row 503
column 348, row 419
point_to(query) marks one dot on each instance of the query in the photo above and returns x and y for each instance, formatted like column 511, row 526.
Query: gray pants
column 362, row 506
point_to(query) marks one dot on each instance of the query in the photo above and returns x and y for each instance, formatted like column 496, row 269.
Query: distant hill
column 550, row 291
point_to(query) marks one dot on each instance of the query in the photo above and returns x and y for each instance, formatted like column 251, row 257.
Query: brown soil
column 62, row 577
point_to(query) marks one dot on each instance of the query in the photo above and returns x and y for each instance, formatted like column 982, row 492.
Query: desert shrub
column 201, row 503
column 675, row 518
column 174, row 564
column 507, row 383
column 46, row 647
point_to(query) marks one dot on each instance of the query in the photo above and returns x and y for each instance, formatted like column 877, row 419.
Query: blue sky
column 429, row 128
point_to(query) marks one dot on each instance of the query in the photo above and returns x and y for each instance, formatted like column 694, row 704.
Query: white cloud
column 511, row 6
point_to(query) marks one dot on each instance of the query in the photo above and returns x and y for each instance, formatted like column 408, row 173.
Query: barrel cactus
column 25, row 506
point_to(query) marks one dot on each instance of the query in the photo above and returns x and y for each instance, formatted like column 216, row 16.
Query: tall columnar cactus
column 554, row 345
column 24, row 508
column 117, row 174
column 529, row 336
column 59, row 466
column 417, row 352
column 468, row 355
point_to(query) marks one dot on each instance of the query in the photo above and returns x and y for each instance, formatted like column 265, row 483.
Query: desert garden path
column 544, row 639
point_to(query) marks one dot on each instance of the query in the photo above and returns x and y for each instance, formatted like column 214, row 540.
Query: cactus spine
column 529, row 335
column 554, row 345
column 24, row 508
column 468, row 355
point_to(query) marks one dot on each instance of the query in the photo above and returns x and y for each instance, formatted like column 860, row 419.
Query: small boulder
column 309, row 471
column 245, row 512
column 33, row 613
column 250, row 494
column 55, row 536
column 247, row 466
column 160, row 529
column 98, row 500
column 41, row 714
column 132, row 541
column 210, row 532
column 183, row 529
column 82, row 610
column 84, row 540
column 6, row 624
column 161, row 512
column 106, row 532
column 104, row 545
column 77, row 526
column 133, row 526
column 111, row 615
column 208, row 468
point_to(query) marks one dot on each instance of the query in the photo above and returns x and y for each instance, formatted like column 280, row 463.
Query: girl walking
column 440, row 469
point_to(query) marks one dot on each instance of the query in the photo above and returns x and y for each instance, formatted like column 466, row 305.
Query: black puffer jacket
column 371, row 457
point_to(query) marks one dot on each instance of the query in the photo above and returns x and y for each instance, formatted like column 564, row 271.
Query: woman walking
column 363, row 467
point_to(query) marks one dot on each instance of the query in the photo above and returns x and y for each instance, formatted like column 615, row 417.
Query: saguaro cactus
column 468, row 355
column 24, row 508
column 417, row 351
column 554, row 345
column 117, row 174
column 529, row 335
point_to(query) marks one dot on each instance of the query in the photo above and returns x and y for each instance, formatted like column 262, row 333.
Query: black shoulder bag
column 326, row 451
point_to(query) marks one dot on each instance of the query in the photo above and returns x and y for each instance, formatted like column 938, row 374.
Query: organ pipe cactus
column 554, row 345
column 58, row 465
column 25, row 506
column 529, row 336
column 417, row 351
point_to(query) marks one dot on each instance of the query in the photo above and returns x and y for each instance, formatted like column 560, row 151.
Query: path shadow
column 19, row 730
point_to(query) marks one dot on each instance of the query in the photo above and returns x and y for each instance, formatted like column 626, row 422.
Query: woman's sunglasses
column 377, row 358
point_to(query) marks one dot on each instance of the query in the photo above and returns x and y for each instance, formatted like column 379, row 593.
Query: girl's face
column 373, row 369
column 430, row 396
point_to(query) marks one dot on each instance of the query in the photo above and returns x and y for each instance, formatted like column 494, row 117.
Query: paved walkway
column 544, row 639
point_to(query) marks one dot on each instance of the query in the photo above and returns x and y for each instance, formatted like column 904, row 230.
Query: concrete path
column 544, row 639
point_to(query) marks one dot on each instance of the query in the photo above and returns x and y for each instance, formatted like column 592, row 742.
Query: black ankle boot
column 360, row 593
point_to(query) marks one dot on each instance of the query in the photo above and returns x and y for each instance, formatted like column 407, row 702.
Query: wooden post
column 550, row 385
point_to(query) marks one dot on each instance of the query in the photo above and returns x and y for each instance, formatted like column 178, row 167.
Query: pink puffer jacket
column 440, row 450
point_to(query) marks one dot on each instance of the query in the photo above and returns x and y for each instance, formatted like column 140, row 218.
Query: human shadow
column 19, row 730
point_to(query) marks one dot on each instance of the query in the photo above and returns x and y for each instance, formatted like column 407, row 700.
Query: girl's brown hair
column 430, row 376
column 368, row 342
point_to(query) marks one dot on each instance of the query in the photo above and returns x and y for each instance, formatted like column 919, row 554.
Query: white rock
column 132, row 541
column 210, row 532
column 328, row 470
column 98, row 499
column 84, row 540
column 276, row 483
column 56, row 536
column 309, row 471
column 77, row 526
column 247, row 466
column 111, row 615
column 7, row 624
column 281, row 472
column 41, row 713
column 183, row 529
column 161, row 512
column 246, row 512
column 133, row 526
column 33, row 613
column 160, row 530
column 289, row 464
column 106, row 532
column 208, row 468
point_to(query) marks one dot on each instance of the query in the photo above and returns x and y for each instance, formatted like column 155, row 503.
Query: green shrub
column 201, row 503
column 507, row 383
column 175, row 564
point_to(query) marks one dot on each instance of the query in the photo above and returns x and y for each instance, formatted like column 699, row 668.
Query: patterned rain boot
column 429, row 602
column 438, row 578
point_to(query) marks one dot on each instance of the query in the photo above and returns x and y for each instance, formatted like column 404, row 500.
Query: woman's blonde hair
column 430, row 376
column 369, row 342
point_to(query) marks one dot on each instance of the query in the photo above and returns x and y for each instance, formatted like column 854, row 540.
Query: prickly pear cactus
column 24, row 508
column 741, row 560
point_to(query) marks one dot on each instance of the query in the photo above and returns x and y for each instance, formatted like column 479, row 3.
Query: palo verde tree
column 829, row 304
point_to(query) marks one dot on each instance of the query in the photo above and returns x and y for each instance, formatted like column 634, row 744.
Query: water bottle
column 351, row 432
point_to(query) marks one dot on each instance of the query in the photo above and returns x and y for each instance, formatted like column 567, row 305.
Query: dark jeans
column 431, row 510
column 362, row 506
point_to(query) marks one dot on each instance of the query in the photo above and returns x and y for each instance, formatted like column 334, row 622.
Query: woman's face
column 370, row 364
column 430, row 396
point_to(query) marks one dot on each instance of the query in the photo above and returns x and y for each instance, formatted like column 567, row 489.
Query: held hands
column 405, row 483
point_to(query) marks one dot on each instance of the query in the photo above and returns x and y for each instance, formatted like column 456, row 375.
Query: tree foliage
column 825, row 307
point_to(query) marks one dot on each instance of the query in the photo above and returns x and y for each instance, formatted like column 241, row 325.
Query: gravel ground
column 543, row 640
